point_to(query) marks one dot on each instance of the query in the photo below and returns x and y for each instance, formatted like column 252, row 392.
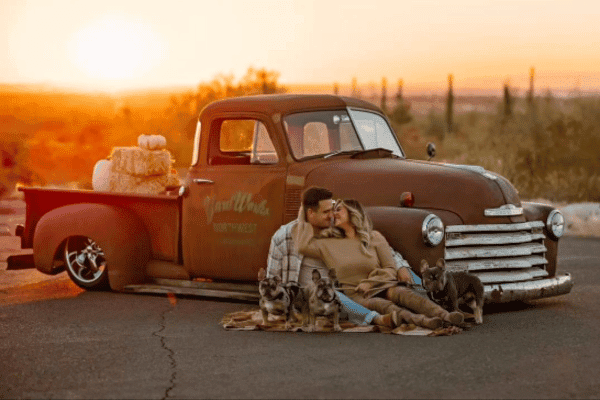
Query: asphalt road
column 57, row 341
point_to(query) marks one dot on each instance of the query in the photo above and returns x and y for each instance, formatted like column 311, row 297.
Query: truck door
column 235, row 201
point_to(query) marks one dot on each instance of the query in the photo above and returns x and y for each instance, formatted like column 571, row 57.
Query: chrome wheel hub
column 85, row 260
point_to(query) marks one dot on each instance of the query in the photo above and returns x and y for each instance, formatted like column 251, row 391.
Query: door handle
column 203, row 181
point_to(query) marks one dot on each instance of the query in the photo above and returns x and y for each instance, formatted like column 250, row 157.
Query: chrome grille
column 499, row 253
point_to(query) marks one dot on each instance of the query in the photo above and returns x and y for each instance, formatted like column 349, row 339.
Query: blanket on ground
column 251, row 320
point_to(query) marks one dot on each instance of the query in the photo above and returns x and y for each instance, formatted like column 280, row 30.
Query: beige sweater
column 351, row 264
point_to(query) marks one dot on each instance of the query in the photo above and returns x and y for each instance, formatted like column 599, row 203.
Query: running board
column 236, row 291
column 20, row 261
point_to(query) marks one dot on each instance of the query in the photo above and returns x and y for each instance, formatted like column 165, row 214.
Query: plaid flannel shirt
column 283, row 259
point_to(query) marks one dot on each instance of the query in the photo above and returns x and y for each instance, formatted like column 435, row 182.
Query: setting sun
column 116, row 48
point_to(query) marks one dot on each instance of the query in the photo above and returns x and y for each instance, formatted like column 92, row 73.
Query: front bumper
column 528, row 290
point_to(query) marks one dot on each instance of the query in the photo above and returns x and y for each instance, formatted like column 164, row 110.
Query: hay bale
column 142, row 162
column 127, row 183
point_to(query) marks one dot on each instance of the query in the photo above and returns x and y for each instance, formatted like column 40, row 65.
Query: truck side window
column 241, row 141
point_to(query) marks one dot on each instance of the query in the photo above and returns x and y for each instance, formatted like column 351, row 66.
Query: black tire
column 85, row 263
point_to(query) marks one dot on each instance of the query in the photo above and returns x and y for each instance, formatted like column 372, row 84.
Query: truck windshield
column 331, row 132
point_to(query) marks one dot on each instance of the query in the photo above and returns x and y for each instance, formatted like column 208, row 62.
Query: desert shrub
column 548, row 151
column 13, row 165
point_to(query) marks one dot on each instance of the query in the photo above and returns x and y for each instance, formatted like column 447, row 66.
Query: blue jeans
column 357, row 314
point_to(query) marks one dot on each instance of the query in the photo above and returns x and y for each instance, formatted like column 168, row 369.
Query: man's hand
column 363, row 288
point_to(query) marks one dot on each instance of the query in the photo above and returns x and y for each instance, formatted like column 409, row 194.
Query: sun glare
column 116, row 48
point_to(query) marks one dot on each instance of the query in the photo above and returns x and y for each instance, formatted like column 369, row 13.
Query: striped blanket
column 251, row 320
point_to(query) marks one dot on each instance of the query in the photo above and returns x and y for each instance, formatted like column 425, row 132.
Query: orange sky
column 123, row 44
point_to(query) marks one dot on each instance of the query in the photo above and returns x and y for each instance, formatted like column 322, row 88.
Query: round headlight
column 555, row 224
column 433, row 230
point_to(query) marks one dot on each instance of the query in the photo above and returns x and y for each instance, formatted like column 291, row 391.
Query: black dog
column 449, row 289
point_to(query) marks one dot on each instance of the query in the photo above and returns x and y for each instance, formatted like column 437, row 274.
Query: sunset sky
column 113, row 45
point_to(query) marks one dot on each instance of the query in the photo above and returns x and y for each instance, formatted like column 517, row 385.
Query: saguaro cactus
column 450, row 104
column 530, row 92
column 384, row 94
column 507, row 100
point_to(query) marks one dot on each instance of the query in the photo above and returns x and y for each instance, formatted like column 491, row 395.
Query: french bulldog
column 277, row 298
column 449, row 289
column 322, row 300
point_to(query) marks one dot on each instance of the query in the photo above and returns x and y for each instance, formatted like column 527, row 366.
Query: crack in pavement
column 170, row 352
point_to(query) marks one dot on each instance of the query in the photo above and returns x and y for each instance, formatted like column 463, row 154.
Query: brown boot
column 386, row 320
column 417, row 319
column 454, row 318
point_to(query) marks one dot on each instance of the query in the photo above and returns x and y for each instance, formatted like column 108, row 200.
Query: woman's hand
column 302, row 214
column 363, row 288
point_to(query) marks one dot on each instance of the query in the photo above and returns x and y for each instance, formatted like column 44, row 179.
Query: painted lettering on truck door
column 235, row 201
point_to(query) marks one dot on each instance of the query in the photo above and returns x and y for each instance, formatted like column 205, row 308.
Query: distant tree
column 258, row 81
column 355, row 89
column 530, row 93
column 401, row 114
column 450, row 105
column 399, row 93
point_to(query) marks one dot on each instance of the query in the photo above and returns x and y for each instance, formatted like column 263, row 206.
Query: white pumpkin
column 144, row 141
column 100, row 177
column 157, row 142
column 152, row 142
column 160, row 142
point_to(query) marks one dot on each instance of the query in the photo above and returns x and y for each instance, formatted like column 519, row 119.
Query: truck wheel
column 85, row 263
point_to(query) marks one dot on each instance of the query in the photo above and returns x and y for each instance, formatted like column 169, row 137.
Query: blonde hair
column 359, row 219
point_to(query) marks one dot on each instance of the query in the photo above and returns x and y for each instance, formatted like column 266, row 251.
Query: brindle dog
column 322, row 299
column 277, row 298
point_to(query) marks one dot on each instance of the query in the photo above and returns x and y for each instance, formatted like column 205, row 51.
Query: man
column 285, row 261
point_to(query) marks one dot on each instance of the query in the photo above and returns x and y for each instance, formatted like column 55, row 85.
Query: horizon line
column 364, row 90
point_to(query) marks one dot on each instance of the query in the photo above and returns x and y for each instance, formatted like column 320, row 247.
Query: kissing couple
column 373, row 287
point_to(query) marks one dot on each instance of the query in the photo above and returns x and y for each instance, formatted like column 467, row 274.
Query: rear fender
column 122, row 236
column 402, row 229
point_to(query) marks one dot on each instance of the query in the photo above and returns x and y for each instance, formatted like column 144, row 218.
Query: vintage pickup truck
column 252, row 158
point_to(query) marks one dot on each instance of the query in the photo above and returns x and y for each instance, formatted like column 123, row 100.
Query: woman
column 365, row 267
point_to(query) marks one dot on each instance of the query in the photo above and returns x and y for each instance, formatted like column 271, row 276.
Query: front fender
column 122, row 236
column 402, row 229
